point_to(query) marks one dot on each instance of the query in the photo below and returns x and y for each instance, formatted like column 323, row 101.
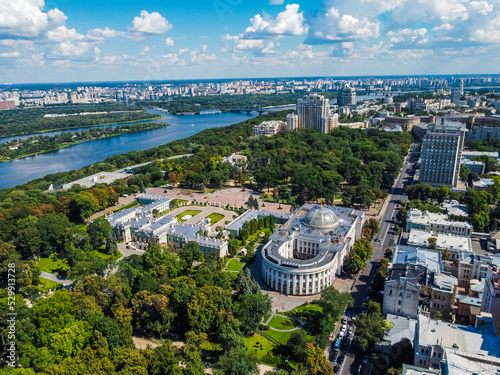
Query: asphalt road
column 353, row 360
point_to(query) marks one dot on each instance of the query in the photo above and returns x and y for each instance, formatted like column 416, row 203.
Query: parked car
column 340, row 359
column 336, row 369
column 344, row 320
column 343, row 328
column 349, row 331
column 365, row 359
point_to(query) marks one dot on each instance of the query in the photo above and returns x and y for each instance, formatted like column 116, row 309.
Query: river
column 20, row 171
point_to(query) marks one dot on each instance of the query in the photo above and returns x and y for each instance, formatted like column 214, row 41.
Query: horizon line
column 256, row 78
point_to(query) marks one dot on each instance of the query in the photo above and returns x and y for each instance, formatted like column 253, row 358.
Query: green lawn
column 256, row 236
column 235, row 265
column 281, row 337
column 107, row 256
column 261, row 347
column 304, row 310
column 279, row 322
column 187, row 212
column 58, row 267
column 215, row 217
column 47, row 284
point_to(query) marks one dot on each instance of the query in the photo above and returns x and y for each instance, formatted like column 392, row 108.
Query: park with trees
column 167, row 294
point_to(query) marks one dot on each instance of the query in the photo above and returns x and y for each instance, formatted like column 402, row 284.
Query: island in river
column 34, row 145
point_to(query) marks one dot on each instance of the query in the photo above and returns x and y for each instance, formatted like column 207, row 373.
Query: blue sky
column 69, row 40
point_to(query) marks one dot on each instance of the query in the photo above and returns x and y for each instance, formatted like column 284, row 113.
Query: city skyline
column 62, row 41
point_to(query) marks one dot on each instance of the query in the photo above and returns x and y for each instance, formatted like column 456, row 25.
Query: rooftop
column 426, row 217
column 98, row 178
column 481, row 340
column 472, row 154
column 327, row 225
column 418, row 256
column 402, row 328
column 483, row 183
column 445, row 283
column 444, row 241
column 414, row 370
column 248, row 215
column 454, row 208
column 462, row 363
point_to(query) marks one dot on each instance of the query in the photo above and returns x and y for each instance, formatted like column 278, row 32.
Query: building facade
column 441, row 154
column 329, row 122
column 305, row 254
column 268, row 128
column 402, row 289
column 311, row 109
column 346, row 96
column 491, row 294
column 473, row 166
column 141, row 228
column 292, row 121
column 475, row 266
column 442, row 294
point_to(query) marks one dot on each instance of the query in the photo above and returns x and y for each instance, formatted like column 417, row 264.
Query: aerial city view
column 237, row 187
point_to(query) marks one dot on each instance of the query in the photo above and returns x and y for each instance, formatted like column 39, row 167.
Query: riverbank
column 157, row 117
column 68, row 144
column 67, row 161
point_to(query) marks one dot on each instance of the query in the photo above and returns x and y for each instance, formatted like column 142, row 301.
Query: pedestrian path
column 301, row 321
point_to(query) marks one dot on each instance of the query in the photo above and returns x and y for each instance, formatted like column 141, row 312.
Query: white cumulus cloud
column 149, row 24
column 25, row 18
column 169, row 42
column 288, row 22
column 10, row 54
column 199, row 55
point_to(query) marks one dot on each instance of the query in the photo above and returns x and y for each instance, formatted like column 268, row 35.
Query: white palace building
column 306, row 253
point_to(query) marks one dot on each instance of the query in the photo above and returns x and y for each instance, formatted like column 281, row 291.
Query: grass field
column 107, row 256
column 57, row 267
column 304, row 310
column 235, row 265
column 48, row 284
column 187, row 212
column 281, row 337
column 260, row 346
column 215, row 217
column 279, row 322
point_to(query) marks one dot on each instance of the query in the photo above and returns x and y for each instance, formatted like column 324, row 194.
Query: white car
column 344, row 328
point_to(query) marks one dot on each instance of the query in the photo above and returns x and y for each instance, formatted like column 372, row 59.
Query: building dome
column 321, row 218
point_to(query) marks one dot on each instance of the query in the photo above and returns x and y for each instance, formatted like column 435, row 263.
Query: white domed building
column 306, row 253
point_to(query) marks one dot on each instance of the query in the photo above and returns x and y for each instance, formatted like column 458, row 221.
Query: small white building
column 269, row 128
column 436, row 223
column 458, row 247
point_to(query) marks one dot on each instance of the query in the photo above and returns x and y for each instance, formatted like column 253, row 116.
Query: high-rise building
column 346, row 96
column 441, row 154
column 329, row 122
column 311, row 109
column 292, row 121
column 455, row 96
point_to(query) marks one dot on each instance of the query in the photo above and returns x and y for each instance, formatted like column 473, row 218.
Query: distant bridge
column 248, row 111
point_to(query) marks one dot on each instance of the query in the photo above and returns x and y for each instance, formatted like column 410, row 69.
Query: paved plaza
column 235, row 197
